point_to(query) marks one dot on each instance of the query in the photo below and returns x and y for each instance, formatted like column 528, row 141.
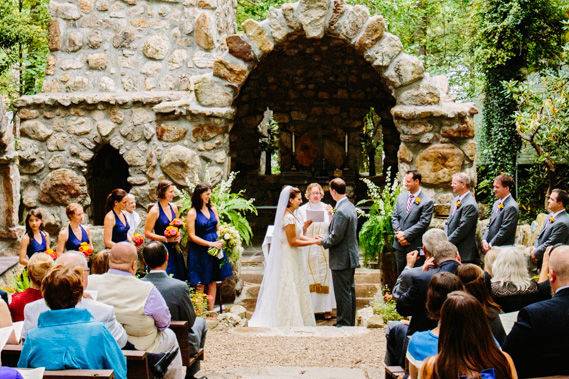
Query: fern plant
column 232, row 208
column 376, row 234
column 22, row 281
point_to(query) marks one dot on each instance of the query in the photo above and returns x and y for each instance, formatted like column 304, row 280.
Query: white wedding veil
column 266, row 309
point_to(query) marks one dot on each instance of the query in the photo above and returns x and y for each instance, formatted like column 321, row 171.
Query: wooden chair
column 182, row 329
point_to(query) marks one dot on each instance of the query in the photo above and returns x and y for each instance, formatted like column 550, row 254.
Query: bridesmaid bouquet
column 232, row 244
column 86, row 249
column 137, row 239
column 51, row 253
column 177, row 222
column 171, row 232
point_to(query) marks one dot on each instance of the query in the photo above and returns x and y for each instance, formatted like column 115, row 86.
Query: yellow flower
column 551, row 219
column 501, row 206
column 457, row 204
column 418, row 200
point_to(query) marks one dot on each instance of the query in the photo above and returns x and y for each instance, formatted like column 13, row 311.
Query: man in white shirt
column 101, row 312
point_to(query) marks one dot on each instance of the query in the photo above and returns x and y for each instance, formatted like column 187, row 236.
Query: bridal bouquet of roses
column 232, row 244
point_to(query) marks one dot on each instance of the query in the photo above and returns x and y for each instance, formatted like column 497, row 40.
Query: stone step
column 362, row 276
column 363, row 290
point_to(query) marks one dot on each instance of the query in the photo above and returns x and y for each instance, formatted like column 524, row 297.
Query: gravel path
column 227, row 349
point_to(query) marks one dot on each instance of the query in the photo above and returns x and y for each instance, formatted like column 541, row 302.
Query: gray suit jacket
column 177, row 296
column 461, row 229
column 342, row 237
column 552, row 233
column 501, row 229
column 413, row 223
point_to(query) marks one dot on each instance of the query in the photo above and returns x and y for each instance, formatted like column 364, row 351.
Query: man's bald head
column 559, row 267
column 123, row 257
column 72, row 259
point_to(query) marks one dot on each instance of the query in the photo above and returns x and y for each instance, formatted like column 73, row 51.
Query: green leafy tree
column 512, row 37
column 371, row 140
column 23, row 46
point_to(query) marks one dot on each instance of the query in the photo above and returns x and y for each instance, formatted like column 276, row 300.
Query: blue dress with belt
column 73, row 242
column 176, row 264
column 120, row 230
column 35, row 246
column 204, row 268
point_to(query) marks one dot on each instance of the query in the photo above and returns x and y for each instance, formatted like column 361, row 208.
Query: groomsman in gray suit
column 411, row 218
column 460, row 226
column 501, row 229
column 342, row 241
column 556, row 228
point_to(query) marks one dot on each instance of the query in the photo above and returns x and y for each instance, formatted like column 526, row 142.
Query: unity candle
column 293, row 142
column 346, row 143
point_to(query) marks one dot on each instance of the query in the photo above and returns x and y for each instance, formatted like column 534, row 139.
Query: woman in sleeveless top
column 466, row 345
column 36, row 240
column 75, row 234
column 115, row 225
column 203, row 268
column 159, row 217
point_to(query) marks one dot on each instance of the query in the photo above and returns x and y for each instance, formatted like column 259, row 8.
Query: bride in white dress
column 284, row 297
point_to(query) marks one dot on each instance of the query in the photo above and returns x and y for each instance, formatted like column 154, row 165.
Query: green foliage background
column 23, row 46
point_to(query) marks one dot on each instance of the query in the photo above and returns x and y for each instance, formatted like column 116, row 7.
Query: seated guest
column 69, row 337
column 70, row 238
column 539, row 340
column 100, row 262
column 6, row 321
column 139, row 306
column 175, row 292
column 489, row 259
column 101, row 312
column 466, row 346
column 426, row 344
column 10, row 373
column 512, row 286
column 473, row 279
column 38, row 265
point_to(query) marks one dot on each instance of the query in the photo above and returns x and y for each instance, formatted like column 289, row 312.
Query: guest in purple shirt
column 139, row 306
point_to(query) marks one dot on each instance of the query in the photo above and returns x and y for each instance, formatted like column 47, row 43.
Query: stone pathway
column 311, row 352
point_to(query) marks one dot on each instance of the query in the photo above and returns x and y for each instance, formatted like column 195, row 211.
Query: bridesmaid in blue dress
column 115, row 225
column 36, row 240
column 203, row 268
column 159, row 217
column 75, row 234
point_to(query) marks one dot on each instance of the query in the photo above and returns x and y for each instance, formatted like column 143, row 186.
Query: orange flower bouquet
column 86, row 249
column 171, row 232
column 177, row 222
column 51, row 253
column 137, row 239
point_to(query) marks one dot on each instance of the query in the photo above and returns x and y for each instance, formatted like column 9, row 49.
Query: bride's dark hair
column 294, row 192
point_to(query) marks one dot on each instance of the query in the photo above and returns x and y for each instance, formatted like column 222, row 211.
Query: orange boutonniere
column 86, row 249
column 551, row 219
column 457, row 203
column 418, row 200
column 501, row 206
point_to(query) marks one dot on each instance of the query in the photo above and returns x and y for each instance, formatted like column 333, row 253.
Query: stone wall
column 134, row 45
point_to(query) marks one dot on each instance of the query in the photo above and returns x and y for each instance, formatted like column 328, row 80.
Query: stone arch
column 106, row 171
column 436, row 133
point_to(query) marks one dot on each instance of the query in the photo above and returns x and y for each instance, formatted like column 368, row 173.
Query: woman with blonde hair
column 512, row 287
column 317, row 257
column 38, row 266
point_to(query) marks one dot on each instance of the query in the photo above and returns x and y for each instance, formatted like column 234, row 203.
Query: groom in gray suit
column 411, row 218
column 463, row 219
column 501, row 229
column 342, row 241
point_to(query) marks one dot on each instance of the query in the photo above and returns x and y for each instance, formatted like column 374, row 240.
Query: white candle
column 346, row 143
column 293, row 148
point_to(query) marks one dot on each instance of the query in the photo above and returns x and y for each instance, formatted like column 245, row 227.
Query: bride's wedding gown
column 284, row 297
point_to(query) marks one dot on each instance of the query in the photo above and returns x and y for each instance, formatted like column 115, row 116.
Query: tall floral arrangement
column 376, row 235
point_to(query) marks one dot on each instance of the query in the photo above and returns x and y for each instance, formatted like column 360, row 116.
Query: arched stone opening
column 106, row 171
column 319, row 91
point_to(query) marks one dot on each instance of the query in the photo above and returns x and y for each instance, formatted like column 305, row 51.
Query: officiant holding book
column 317, row 267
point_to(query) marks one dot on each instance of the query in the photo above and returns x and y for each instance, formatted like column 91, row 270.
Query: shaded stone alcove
column 106, row 171
column 320, row 90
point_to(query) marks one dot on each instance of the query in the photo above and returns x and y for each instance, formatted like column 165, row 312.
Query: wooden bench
column 136, row 362
column 394, row 372
column 182, row 330
column 78, row 374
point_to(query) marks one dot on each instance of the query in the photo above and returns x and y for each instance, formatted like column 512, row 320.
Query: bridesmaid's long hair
column 37, row 214
column 197, row 202
column 466, row 344
column 115, row 196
